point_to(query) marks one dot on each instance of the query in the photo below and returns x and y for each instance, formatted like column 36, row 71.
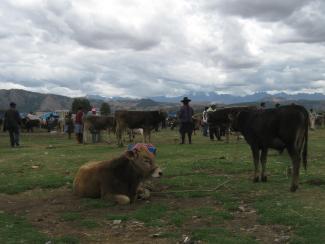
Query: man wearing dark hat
column 186, row 122
column 12, row 123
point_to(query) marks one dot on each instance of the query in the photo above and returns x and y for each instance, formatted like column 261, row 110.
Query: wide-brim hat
column 185, row 99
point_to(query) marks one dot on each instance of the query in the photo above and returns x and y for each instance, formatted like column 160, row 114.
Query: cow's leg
column 107, row 135
column 238, row 136
column 256, row 159
column 85, row 133
column 227, row 135
column 296, row 159
column 263, row 164
column 130, row 135
column 119, row 137
column 144, row 140
column 146, row 135
column 149, row 136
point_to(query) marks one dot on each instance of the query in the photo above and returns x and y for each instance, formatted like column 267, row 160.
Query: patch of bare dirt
column 44, row 209
column 245, row 221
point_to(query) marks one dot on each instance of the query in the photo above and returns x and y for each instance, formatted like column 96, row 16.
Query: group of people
column 13, row 122
column 185, row 116
column 186, row 112
column 208, row 128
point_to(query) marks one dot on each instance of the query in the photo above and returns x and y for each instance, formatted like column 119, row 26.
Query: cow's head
column 162, row 119
column 233, row 121
column 238, row 120
column 143, row 157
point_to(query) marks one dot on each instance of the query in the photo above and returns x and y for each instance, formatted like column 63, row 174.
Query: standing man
column 79, row 125
column 12, row 123
column 95, row 133
column 214, row 130
column 312, row 119
column 205, row 121
column 185, row 116
column 68, row 124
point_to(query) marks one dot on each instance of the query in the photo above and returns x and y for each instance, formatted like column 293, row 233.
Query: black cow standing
column 147, row 120
column 219, row 120
column 282, row 128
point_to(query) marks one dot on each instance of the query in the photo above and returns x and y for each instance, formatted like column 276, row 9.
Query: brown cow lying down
column 118, row 179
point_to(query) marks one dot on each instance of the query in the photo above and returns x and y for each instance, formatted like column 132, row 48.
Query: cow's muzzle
column 157, row 173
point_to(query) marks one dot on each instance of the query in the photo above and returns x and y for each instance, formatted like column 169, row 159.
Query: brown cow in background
column 147, row 120
column 94, row 124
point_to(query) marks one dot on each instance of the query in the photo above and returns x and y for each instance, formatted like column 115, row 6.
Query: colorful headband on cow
column 151, row 148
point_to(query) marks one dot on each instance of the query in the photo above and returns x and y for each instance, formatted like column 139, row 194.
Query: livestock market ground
column 206, row 195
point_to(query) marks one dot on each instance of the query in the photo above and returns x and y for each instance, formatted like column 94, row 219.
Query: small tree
column 105, row 109
column 81, row 102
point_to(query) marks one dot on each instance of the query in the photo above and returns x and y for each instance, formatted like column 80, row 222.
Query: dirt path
column 44, row 209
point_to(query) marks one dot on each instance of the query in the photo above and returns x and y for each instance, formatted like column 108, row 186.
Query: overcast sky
column 143, row 48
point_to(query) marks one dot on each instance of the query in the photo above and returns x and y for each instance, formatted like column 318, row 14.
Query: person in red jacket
column 79, row 125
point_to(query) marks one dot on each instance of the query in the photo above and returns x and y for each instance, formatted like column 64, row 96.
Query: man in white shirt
column 205, row 121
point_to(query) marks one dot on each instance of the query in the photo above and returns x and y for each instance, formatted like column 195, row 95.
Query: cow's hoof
column 293, row 188
column 144, row 194
column 256, row 179
column 264, row 178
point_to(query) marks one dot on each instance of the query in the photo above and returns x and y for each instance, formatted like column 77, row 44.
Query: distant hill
column 213, row 97
column 33, row 101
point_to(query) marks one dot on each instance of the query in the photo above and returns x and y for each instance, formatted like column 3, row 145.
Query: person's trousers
column 205, row 129
column 14, row 136
column 186, row 128
column 95, row 137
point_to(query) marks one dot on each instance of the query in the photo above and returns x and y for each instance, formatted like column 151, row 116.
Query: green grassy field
column 206, row 195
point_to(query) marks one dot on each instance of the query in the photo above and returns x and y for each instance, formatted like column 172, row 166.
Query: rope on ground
column 198, row 190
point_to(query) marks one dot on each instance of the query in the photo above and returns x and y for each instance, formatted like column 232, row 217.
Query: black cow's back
column 269, row 126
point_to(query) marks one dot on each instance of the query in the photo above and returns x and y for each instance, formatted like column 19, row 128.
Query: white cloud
column 150, row 48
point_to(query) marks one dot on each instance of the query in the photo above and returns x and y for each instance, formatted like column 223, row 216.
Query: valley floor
column 206, row 195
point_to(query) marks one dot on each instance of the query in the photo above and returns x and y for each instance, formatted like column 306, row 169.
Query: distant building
column 62, row 113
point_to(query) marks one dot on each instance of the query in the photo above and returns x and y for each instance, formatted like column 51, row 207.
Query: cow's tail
column 305, row 149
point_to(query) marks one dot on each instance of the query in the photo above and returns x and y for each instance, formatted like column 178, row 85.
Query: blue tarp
column 47, row 115
column 172, row 114
column 23, row 115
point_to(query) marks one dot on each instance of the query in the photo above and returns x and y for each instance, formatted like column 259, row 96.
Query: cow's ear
column 135, row 153
column 132, row 154
column 129, row 154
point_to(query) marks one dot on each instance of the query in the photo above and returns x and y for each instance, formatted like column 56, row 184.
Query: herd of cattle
column 280, row 128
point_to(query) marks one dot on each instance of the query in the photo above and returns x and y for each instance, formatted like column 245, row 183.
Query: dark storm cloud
column 112, row 35
column 308, row 23
column 274, row 10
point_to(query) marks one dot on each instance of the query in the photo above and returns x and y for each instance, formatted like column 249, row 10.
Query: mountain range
column 33, row 101
column 231, row 99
